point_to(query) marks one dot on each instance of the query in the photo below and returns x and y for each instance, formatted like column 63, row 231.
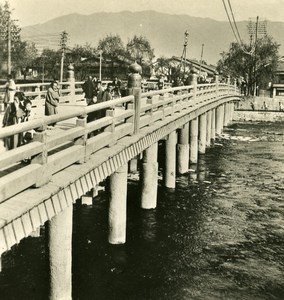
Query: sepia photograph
column 141, row 150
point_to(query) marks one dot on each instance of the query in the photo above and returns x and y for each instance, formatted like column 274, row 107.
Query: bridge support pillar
column 208, row 128
column 59, row 230
column 117, row 206
column 227, row 113
column 202, row 133
column 213, row 124
column 149, row 177
column 232, row 108
column 194, row 141
column 219, row 119
column 183, row 149
column 170, row 161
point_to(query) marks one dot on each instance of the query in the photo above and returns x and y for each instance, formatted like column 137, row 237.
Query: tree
column 24, row 56
column 113, row 49
column 79, row 55
column 139, row 49
column 49, row 61
column 163, row 67
column 256, row 65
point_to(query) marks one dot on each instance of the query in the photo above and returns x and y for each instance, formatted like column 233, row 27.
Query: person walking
column 116, row 84
column 89, row 90
column 52, row 100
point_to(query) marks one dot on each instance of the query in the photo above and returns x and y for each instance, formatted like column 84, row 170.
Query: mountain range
column 164, row 31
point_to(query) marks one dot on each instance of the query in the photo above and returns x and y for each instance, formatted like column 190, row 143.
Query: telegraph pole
column 9, row 32
column 255, row 30
column 9, row 46
column 201, row 57
column 183, row 56
column 63, row 45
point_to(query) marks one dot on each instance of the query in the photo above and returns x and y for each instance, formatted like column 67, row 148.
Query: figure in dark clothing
column 17, row 112
column 116, row 84
column 89, row 90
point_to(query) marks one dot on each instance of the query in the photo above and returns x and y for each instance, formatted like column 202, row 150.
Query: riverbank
column 260, row 116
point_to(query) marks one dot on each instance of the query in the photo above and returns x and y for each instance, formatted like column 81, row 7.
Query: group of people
column 95, row 93
column 17, row 110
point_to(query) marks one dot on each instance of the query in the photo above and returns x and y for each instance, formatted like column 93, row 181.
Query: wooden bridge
column 71, row 161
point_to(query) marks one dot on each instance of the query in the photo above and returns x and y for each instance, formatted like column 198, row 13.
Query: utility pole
column 9, row 32
column 255, row 30
column 183, row 56
column 201, row 57
column 255, row 48
column 63, row 46
column 9, row 46
column 100, row 73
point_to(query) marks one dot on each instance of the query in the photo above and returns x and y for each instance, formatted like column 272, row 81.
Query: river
column 218, row 235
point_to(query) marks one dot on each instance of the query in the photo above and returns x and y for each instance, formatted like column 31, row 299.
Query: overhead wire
column 235, row 28
column 229, row 19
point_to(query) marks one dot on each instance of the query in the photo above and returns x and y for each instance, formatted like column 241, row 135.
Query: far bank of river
column 259, row 116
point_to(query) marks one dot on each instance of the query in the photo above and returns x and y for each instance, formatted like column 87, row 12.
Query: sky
column 30, row 12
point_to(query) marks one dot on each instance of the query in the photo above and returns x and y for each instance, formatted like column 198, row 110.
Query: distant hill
column 165, row 32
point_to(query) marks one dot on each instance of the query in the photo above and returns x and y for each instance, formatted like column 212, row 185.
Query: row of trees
column 25, row 55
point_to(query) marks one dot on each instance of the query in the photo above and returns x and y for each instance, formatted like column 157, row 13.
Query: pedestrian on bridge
column 10, row 89
column 52, row 100
column 116, row 84
column 16, row 112
column 89, row 90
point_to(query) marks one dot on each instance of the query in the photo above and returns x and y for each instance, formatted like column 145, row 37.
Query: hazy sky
column 30, row 12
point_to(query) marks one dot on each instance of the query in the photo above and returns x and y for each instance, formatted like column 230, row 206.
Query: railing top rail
column 158, row 92
column 46, row 120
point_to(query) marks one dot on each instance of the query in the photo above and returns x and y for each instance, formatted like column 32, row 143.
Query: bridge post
column 228, row 83
column 149, row 177
column 118, row 206
column 194, row 141
column 71, row 80
column 208, row 128
column 235, row 86
column 82, row 122
column 134, row 88
column 59, row 230
column 217, row 84
column 170, row 160
column 183, row 149
column 213, row 124
column 202, row 133
column 193, row 81
column 41, row 136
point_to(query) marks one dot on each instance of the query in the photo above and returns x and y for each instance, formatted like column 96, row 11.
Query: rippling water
column 218, row 235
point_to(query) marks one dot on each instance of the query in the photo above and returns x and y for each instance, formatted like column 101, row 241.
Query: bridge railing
column 53, row 150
